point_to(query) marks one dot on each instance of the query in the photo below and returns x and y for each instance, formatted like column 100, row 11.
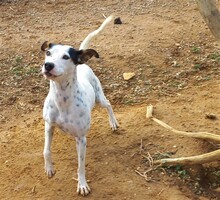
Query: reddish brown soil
column 176, row 64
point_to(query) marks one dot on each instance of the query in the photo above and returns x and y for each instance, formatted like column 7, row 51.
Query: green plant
column 197, row 66
column 214, row 56
column 18, row 70
column 18, row 59
column 32, row 71
column 177, row 169
column 182, row 173
column 196, row 49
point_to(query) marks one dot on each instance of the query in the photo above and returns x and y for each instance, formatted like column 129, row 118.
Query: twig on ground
column 75, row 179
column 141, row 146
column 161, row 191
column 200, row 135
column 149, row 158
column 192, row 160
column 144, row 174
column 33, row 189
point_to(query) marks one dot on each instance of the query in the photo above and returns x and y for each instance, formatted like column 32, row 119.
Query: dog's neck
column 64, row 90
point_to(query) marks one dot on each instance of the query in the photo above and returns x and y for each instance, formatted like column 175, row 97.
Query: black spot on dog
column 81, row 114
column 88, row 121
column 73, row 55
column 67, row 84
column 79, row 99
column 82, row 158
column 65, row 98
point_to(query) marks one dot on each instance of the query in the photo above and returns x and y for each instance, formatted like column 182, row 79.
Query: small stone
column 128, row 76
column 211, row 116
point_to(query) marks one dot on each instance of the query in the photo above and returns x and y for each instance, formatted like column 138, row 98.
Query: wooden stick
column 200, row 135
column 191, row 160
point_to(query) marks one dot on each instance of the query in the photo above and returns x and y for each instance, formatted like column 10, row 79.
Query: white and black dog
column 74, row 90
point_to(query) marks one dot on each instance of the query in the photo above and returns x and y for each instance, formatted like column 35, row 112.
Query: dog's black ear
column 85, row 55
column 46, row 46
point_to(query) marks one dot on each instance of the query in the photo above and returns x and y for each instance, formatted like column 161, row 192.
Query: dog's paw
column 50, row 172
column 83, row 189
column 114, row 125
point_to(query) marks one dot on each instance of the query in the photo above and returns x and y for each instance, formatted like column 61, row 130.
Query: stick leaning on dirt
column 192, row 160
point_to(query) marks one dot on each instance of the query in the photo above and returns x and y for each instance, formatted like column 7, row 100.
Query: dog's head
column 62, row 60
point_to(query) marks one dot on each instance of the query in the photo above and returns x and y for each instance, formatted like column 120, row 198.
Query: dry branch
column 192, row 160
column 200, row 135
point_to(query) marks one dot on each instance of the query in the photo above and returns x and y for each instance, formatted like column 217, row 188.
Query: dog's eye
column 48, row 53
column 65, row 57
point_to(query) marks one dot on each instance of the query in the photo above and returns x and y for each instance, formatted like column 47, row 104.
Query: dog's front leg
column 82, row 187
column 47, row 152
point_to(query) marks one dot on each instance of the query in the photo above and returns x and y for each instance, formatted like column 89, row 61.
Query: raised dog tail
column 86, row 41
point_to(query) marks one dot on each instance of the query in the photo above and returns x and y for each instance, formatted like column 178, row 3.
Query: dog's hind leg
column 112, row 119
column 47, row 150
column 104, row 102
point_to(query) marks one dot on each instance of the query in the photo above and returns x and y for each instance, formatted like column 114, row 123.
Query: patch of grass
column 206, row 78
column 214, row 56
column 181, row 172
column 19, row 68
column 197, row 66
column 33, row 71
column 177, row 169
column 196, row 49
column 18, row 59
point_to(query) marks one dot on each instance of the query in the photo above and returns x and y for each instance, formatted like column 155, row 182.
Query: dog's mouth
column 49, row 75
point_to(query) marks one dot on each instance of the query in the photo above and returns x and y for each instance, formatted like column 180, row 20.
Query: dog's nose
column 49, row 66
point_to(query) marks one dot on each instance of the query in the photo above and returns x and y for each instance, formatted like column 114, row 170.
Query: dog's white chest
column 74, row 124
column 70, row 113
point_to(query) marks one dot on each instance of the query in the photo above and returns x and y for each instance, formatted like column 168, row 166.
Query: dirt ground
column 176, row 64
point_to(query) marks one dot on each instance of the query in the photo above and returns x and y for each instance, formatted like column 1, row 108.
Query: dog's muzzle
column 48, row 67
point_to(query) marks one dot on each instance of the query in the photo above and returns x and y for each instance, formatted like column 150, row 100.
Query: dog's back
column 86, row 77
